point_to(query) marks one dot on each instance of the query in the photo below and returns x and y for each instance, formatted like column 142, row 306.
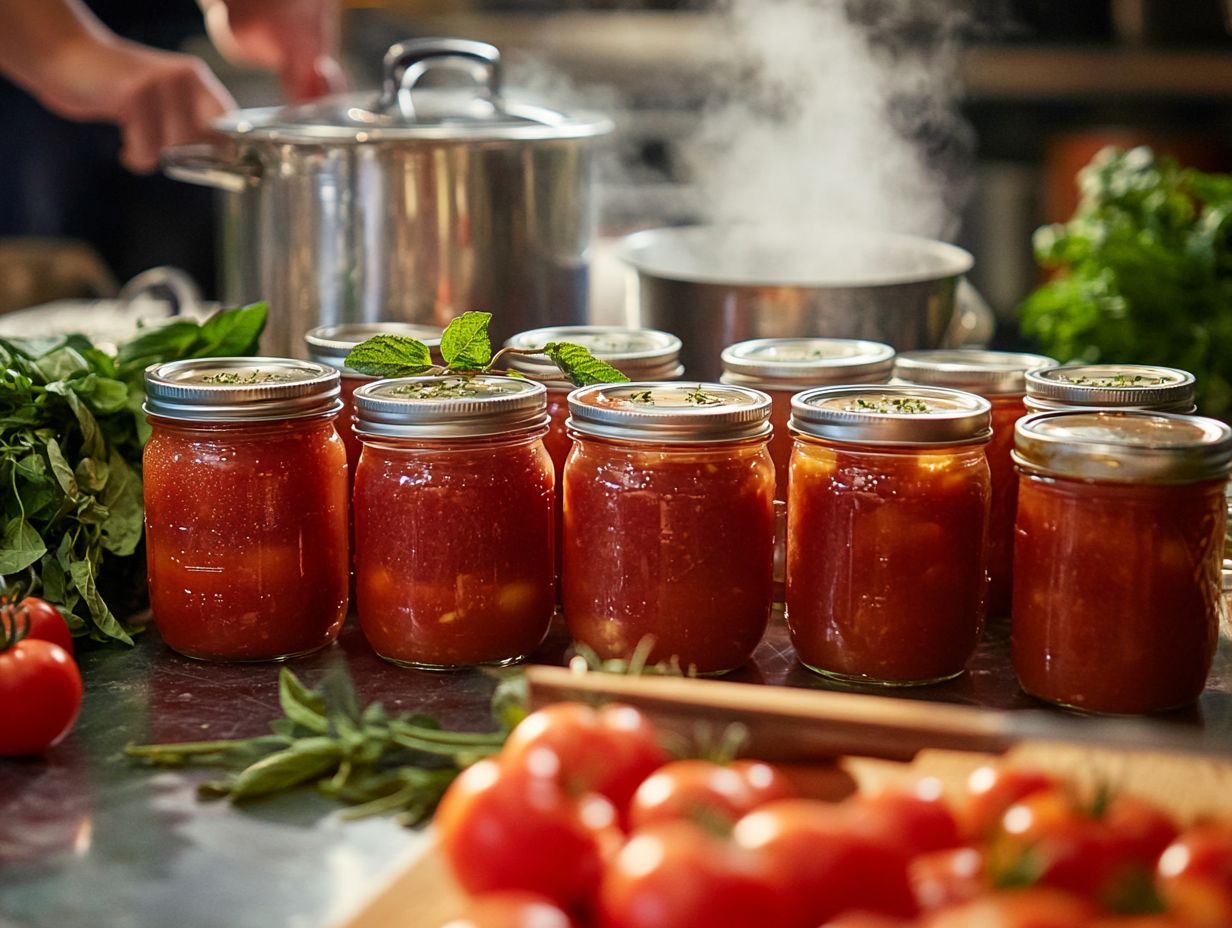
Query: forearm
column 41, row 43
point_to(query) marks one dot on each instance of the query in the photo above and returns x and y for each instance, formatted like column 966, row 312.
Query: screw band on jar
column 683, row 413
column 240, row 390
column 799, row 363
column 330, row 344
column 449, row 407
column 639, row 354
column 1124, row 386
column 988, row 373
column 892, row 415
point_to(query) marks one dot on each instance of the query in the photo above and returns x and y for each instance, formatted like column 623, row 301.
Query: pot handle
column 406, row 63
column 974, row 322
column 206, row 164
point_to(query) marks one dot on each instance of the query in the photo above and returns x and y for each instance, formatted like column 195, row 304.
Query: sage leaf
column 390, row 356
column 580, row 366
column 20, row 546
column 464, row 343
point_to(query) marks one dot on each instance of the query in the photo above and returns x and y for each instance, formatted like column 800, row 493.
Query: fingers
column 170, row 106
column 303, row 81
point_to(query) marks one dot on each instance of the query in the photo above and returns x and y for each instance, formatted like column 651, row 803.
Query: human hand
column 157, row 98
column 296, row 38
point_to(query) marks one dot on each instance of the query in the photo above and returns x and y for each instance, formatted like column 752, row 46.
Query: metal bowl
column 714, row 286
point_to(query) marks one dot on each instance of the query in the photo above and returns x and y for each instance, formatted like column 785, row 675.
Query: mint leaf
column 580, row 366
column 464, row 343
column 390, row 356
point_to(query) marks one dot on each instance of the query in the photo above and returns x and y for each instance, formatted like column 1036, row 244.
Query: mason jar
column 669, row 522
column 887, row 517
column 1118, row 557
column 245, row 484
column 1110, row 386
column 330, row 344
column 999, row 377
column 453, row 520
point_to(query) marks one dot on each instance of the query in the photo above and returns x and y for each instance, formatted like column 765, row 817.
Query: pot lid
column 441, row 109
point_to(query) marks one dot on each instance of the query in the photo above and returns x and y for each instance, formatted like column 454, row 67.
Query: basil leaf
column 81, row 573
column 300, row 704
column 20, row 546
column 306, row 759
column 580, row 366
column 121, row 529
column 60, row 469
column 231, row 333
column 464, row 343
column 390, row 356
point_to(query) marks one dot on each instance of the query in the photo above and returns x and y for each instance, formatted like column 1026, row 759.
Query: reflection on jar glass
column 669, row 522
column 245, row 487
column 886, row 523
column 453, row 520
column 1118, row 552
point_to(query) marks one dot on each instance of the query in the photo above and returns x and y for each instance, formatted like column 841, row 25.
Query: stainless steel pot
column 438, row 196
column 714, row 286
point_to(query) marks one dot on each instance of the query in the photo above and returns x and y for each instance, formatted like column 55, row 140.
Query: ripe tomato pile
column 583, row 820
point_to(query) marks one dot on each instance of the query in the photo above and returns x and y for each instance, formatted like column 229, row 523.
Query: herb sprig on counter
column 466, row 350
column 1144, row 272
column 376, row 762
column 71, row 433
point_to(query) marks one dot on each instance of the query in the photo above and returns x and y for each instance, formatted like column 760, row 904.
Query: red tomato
column 512, row 909
column 608, row 750
column 992, row 790
column 706, row 792
column 1044, row 840
column 823, row 865
column 915, row 821
column 1024, row 908
column 942, row 878
column 40, row 692
column 676, row 874
column 46, row 623
column 868, row 920
column 502, row 829
column 1140, row 829
column 1195, row 874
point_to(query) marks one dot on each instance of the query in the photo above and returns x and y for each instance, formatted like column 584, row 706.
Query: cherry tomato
column 706, row 792
column 1140, row 829
column 608, row 750
column 502, row 829
column 992, row 790
column 916, row 820
column 949, row 877
column 40, row 692
column 1024, row 908
column 677, row 874
column 823, row 865
column 1045, row 840
column 46, row 622
column 1194, row 874
column 512, row 909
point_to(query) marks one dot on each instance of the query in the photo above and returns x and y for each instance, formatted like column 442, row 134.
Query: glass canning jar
column 669, row 522
column 330, row 344
column 886, row 523
column 999, row 377
column 1117, row 557
column 453, row 520
column 1110, row 386
column 245, row 485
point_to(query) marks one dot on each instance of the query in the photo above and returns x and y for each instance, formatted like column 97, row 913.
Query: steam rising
column 836, row 113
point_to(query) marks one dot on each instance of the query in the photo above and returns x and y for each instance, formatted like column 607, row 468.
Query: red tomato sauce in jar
column 669, row 522
column 453, row 503
column 783, row 367
column 245, row 507
column 999, row 377
column 330, row 344
column 1118, row 557
column 639, row 354
column 887, row 515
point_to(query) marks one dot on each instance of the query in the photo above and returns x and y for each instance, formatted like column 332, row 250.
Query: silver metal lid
column 639, row 354
column 449, row 407
column 988, row 373
column 673, row 413
column 474, row 111
column 329, row 344
column 240, row 389
column 1123, row 446
column 1125, row 386
column 892, row 415
column 798, row 363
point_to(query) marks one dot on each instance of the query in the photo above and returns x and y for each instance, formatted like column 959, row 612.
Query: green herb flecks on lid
column 899, row 405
